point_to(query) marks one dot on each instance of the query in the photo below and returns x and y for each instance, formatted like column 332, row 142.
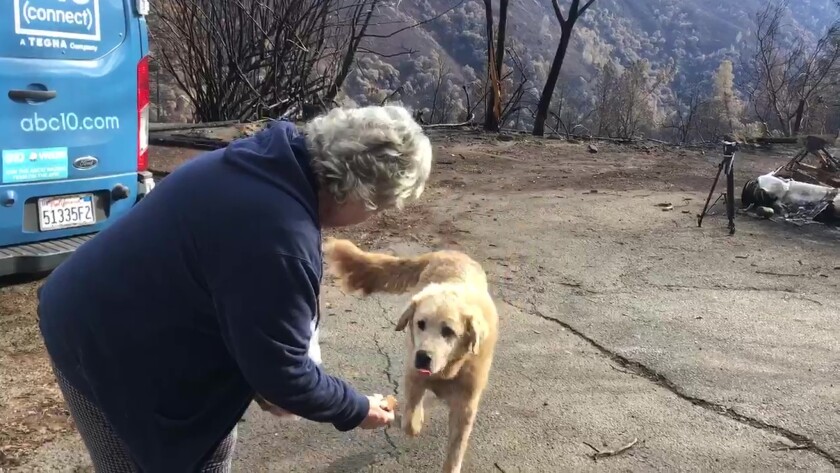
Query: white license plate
column 55, row 213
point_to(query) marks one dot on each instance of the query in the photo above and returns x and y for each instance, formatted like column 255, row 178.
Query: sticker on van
column 50, row 23
column 31, row 165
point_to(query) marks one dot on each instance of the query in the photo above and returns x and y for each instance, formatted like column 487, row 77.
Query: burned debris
column 805, row 188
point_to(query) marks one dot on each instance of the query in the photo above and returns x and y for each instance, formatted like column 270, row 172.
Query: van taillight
column 143, row 107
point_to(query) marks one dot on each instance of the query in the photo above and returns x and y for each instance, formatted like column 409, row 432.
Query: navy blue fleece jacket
column 175, row 315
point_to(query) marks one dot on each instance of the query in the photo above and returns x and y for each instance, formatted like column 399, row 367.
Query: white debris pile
column 770, row 195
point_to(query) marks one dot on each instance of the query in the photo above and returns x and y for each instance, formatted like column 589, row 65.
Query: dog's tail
column 367, row 272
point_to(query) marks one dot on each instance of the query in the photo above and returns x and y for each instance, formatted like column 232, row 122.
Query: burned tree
column 247, row 59
column 567, row 24
column 357, row 21
column 442, row 101
column 244, row 59
column 568, row 115
column 726, row 108
column 687, row 117
column 785, row 79
column 624, row 101
column 495, row 62
column 605, row 98
column 514, row 84
column 633, row 108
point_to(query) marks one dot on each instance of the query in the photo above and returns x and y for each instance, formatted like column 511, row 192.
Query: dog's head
column 446, row 324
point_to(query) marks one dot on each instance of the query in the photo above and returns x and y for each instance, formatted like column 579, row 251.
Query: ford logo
column 85, row 162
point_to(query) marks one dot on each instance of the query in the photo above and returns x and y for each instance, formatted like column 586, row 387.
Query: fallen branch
column 610, row 453
column 189, row 126
column 399, row 90
column 183, row 141
column 469, row 122
column 415, row 25
column 627, row 141
column 526, row 132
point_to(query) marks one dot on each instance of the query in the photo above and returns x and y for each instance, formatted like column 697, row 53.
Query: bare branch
column 419, row 23
column 785, row 82
column 585, row 7
column 558, row 12
column 407, row 52
column 246, row 59
column 391, row 95
column 566, row 28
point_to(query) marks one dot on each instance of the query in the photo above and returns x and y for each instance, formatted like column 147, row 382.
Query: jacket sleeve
column 265, row 304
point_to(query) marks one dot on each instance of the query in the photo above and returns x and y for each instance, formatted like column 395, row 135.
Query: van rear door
column 68, row 111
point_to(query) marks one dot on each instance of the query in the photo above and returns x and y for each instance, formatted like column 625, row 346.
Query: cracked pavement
column 686, row 346
column 618, row 322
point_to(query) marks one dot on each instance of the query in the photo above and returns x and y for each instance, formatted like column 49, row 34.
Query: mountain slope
column 692, row 35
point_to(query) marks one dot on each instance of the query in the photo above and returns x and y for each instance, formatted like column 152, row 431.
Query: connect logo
column 68, row 122
column 68, row 19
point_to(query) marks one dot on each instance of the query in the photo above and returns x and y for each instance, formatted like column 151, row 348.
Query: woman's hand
column 377, row 415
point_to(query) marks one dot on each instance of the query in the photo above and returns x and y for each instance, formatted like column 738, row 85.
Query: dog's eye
column 421, row 325
column 447, row 332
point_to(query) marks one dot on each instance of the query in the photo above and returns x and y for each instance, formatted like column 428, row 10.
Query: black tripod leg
column 730, row 196
column 709, row 198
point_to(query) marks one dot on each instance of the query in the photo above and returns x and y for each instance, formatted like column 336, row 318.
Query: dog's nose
column 422, row 360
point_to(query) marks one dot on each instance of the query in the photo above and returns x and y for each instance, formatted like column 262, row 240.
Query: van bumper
column 39, row 257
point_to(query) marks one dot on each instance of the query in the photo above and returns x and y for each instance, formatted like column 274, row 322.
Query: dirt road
column 620, row 321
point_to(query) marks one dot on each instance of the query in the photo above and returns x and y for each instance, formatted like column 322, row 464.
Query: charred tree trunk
column 797, row 119
column 496, row 61
column 500, row 41
column 350, row 54
column 491, row 112
column 566, row 27
column 551, row 83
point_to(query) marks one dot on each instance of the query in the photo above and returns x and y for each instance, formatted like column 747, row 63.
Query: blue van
column 74, row 114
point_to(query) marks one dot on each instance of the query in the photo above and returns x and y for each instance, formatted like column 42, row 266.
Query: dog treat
column 390, row 403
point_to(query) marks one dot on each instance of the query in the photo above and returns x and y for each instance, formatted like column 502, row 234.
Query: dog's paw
column 413, row 424
column 412, row 430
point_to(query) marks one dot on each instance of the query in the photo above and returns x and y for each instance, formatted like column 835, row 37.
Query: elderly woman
column 164, row 327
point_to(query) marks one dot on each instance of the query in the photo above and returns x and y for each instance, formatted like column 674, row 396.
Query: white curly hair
column 377, row 154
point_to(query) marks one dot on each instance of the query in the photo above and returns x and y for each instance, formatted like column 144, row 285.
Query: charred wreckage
column 805, row 188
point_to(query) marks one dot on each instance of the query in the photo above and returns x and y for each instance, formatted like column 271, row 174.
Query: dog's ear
column 476, row 332
column 407, row 316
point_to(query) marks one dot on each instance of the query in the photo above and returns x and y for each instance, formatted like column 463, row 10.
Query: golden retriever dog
column 452, row 329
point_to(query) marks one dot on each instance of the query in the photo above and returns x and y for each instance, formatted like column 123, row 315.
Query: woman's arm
column 265, row 303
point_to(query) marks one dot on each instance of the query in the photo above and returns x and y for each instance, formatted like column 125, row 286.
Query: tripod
column 727, row 166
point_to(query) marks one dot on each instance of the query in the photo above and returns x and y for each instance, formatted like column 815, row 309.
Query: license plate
column 55, row 213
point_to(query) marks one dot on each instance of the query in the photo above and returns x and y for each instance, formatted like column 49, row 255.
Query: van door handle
column 27, row 95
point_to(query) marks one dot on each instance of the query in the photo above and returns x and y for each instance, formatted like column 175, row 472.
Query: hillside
column 440, row 65
column 691, row 35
